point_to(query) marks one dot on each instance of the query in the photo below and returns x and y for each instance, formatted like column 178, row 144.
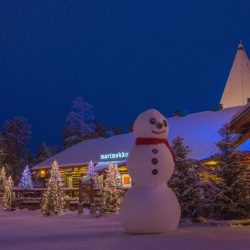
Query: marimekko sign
column 118, row 155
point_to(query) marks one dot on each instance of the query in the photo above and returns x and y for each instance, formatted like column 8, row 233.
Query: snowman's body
column 150, row 206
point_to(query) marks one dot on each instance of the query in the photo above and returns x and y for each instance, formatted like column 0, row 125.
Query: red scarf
column 154, row 141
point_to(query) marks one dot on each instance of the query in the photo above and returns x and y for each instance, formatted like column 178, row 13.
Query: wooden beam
column 242, row 138
column 239, row 123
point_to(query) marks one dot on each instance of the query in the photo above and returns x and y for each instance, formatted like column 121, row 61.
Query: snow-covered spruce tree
column 26, row 180
column 213, row 198
column 44, row 152
column 53, row 197
column 80, row 123
column 111, row 191
column 14, row 139
column 229, row 199
column 104, row 131
column 8, row 194
column 185, row 181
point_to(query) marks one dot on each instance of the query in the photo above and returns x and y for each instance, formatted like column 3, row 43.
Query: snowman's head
column 151, row 124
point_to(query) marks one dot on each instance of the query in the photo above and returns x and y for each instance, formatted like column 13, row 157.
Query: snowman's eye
column 152, row 120
column 165, row 123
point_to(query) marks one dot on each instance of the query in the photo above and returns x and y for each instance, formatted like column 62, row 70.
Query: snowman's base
column 150, row 210
column 140, row 231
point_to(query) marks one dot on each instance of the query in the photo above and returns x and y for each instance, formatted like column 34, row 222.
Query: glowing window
column 42, row 173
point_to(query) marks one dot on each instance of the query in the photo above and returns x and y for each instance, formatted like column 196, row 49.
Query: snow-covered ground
column 29, row 230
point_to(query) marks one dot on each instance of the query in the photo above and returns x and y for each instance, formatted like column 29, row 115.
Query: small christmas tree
column 111, row 192
column 185, row 181
column 53, row 198
column 8, row 194
column 230, row 199
column 26, row 181
column 91, row 173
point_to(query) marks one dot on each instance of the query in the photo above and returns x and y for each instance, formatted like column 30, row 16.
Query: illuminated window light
column 126, row 180
column 211, row 163
column 42, row 173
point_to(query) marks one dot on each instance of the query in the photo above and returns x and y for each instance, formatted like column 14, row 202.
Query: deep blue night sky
column 121, row 57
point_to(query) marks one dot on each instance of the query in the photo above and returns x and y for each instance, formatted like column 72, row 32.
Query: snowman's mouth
column 160, row 132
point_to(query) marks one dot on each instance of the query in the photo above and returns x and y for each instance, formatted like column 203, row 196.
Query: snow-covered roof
column 100, row 166
column 83, row 152
column 237, row 88
column 199, row 130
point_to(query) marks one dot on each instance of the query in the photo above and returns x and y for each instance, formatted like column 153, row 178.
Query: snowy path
column 28, row 230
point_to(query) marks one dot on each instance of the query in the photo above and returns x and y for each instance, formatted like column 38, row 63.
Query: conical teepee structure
column 237, row 89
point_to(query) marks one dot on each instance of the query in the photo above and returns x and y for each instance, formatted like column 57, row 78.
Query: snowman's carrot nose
column 159, row 125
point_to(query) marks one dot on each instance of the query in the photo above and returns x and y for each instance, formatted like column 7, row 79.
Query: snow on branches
column 2, row 176
column 80, row 123
column 111, row 192
column 185, row 181
column 229, row 193
column 53, row 198
column 8, row 194
column 26, row 180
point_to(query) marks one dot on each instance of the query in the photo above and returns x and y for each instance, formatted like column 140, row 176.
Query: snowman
column 150, row 206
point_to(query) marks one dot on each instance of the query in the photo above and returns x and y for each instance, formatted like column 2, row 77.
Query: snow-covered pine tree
column 53, row 197
column 14, row 139
column 80, row 123
column 44, row 152
column 229, row 200
column 185, row 181
column 111, row 192
column 26, row 180
column 213, row 198
column 8, row 194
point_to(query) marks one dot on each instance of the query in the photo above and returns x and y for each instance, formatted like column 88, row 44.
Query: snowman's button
column 155, row 151
column 154, row 161
column 154, row 171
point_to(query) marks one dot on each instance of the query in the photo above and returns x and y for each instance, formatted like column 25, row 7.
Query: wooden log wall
column 75, row 173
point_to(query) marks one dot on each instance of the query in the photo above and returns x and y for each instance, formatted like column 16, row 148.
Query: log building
column 199, row 130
